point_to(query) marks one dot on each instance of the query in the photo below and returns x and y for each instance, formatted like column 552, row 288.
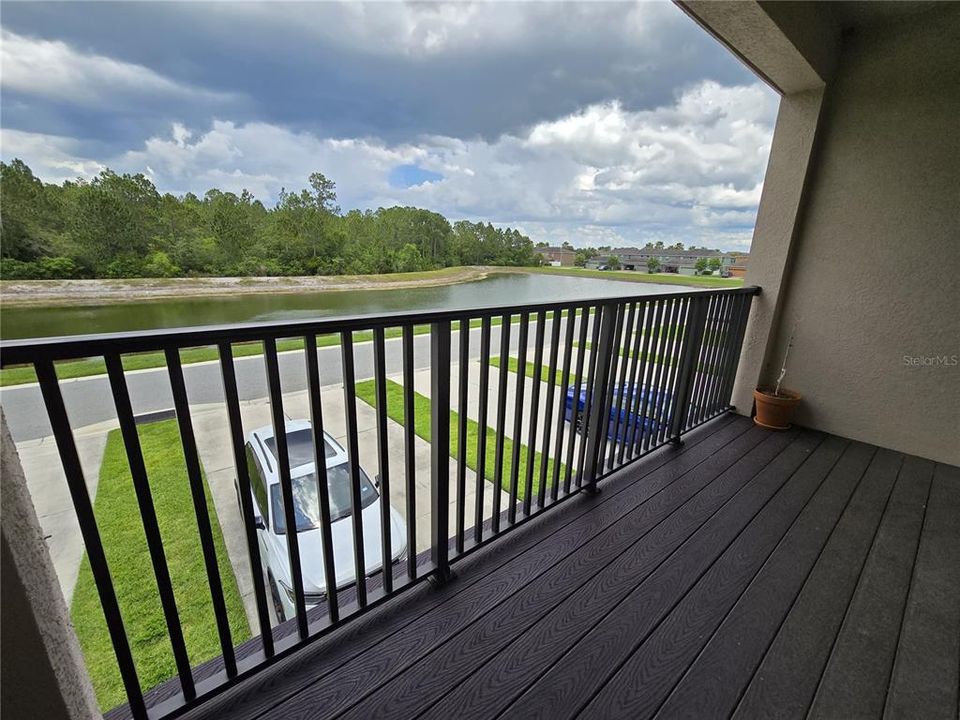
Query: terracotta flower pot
column 775, row 411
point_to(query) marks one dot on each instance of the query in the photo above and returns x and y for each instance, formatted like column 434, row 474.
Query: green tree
column 714, row 264
column 653, row 265
column 613, row 262
column 700, row 265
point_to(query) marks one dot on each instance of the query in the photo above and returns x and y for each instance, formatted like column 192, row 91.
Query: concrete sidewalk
column 51, row 497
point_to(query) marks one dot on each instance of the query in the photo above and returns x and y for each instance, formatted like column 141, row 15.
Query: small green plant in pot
column 776, row 405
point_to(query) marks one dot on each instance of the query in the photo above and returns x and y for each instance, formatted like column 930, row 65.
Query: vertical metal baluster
column 618, row 358
column 722, row 400
column 598, row 424
column 66, row 446
column 705, row 355
column 673, row 370
column 518, row 417
column 718, row 343
column 635, row 380
column 440, row 448
column 323, row 488
column 353, row 464
column 588, row 404
column 706, row 370
column 658, row 374
column 633, row 373
column 482, row 427
column 562, row 410
column 201, row 510
column 676, row 344
column 409, row 451
column 725, row 340
column 621, row 357
column 667, row 367
column 286, row 484
column 504, row 371
column 649, row 366
column 623, row 396
column 462, row 400
column 692, row 335
column 232, row 400
column 548, row 410
column 383, row 457
column 534, row 419
column 575, row 407
column 141, row 486
column 662, row 335
column 697, row 377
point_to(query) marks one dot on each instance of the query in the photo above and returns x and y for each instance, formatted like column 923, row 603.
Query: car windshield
column 306, row 497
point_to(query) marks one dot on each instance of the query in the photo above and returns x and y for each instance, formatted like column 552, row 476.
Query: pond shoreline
column 52, row 293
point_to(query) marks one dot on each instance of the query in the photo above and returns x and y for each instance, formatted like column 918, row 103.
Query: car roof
column 299, row 447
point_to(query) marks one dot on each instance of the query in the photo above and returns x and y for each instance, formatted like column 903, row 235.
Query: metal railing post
column 692, row 340
column 599, row 419
column 440, row 449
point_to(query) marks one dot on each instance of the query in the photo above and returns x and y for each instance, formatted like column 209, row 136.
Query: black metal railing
column 610, row 380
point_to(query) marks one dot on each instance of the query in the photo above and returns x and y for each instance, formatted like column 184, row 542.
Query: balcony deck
column 749, row 573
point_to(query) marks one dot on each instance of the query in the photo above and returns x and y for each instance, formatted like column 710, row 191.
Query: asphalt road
column 90, row 401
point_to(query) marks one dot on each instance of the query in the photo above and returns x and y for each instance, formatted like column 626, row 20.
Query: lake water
column 502, row 289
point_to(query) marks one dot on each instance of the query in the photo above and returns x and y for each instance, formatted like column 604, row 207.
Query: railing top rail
column 19, row 352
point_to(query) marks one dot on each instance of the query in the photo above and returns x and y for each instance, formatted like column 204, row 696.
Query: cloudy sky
column 597, row 123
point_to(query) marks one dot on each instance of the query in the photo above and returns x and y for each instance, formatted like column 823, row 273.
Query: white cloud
column 690, row 171
column 53, row 69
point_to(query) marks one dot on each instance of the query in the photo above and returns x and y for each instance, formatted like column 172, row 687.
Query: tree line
column 120, row 226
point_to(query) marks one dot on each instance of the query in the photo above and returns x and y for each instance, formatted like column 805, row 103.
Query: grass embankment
column 121, row 529
column 421, row 417
column 694, row 281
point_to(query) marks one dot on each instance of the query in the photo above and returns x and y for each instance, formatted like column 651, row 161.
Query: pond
column 498, row 289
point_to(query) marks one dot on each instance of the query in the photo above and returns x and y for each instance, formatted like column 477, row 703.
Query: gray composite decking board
column 712, row 684
column 855, row 680
column 926, row 669
column 786, row 680
column 497, row 565
column 592, row 572
column 644, row 681
column 570, row 685
column 570, row 680
column 512, row 670
column 731, row 576
column 520, row 601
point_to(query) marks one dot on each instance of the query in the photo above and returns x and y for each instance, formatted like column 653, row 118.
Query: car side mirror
column 376, row 480
column 258, row 523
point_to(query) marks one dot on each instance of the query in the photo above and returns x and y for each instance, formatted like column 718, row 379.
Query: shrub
column 160, row 265
column 11, row 269
column 126, row 266
column 55, row 268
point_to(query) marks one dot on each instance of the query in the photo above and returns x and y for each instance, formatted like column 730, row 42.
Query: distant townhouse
column 557, row 256
column 671, row 260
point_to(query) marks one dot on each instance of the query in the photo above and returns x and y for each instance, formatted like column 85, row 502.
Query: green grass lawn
column 121, row 530
column 421, row 417
column 513, row 365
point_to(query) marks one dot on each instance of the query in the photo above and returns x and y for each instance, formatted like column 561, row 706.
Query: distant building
column 557, row 256
column 671, row 260
column 739, row 267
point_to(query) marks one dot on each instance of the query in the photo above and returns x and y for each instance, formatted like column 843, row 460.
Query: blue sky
column 596, row 123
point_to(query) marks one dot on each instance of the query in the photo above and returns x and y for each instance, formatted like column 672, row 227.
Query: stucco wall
column 874, row 274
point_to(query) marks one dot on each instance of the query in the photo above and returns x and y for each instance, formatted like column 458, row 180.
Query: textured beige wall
column 874, row 274
column 40, row 659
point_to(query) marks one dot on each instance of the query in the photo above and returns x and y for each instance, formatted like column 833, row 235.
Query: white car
column 262, row 467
